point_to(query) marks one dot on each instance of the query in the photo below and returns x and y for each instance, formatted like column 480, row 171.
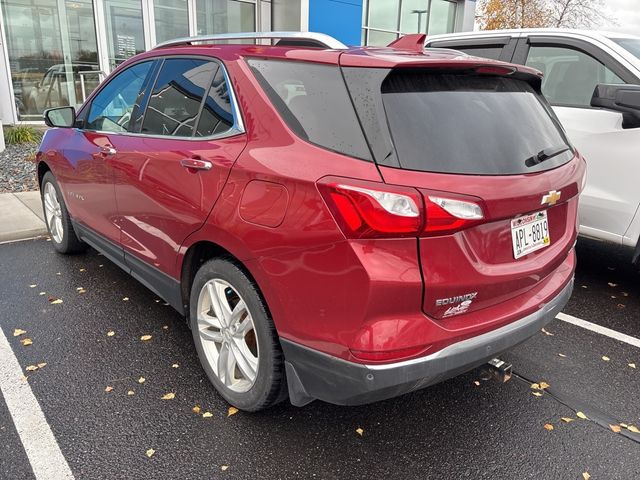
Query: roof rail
column 311, row 39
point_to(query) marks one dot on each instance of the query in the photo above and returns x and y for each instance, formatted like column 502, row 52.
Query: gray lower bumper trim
column 315, row 375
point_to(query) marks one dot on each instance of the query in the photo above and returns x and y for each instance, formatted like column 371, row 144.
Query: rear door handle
column 196, row 164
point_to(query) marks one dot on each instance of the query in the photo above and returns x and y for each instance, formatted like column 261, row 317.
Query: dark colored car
column 343, row 224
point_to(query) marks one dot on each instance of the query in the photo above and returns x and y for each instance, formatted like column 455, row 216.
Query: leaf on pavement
column 31, row 368
column 624, row 425
column 144, row 338
column 110, row 333
column 165, row 327
column 42, row 365
column 566, row 419
column 42, row 293
column 547, row 332
column 207, row 415
column 536, row 394
column 125, row 299
column 476, row 383
column 108, row 389
column 232, row 411
column 586, row 476
column 169, row 396
column 224, row 467
column 615, row 428
column 360, row 431
column 33, row 285
column 562, row 355
column 548, row 426
column 142, row 380
column 605, row 358
column 196, row 409
column 26, row 342
column 83, row 269
column 621, row 305
column 131, row 392
column 582, row 416
column 612, row 284
column 584, row 286
column 81, row 290
column 54, row 301
column 632, row 365
column 544, row 385
column 18, row 331
column 633, row 428
column 175, row 365
column 149, row 453
column 535, row 386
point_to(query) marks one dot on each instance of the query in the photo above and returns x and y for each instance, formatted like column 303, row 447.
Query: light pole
column 419, row 13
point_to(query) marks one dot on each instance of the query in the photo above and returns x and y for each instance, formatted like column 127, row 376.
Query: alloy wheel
column 228, row 336
column 53, row 212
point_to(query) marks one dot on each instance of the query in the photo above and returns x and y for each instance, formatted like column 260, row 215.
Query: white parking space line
column 621, row 337
column 38, row 441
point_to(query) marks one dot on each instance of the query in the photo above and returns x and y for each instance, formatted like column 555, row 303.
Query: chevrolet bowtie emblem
column 551, row 198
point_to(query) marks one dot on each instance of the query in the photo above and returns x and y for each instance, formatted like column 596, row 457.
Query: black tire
column 269, row 386
column 69, row 243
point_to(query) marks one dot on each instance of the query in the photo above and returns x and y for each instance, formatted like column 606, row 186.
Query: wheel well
column 196, row 255
column 42, row 169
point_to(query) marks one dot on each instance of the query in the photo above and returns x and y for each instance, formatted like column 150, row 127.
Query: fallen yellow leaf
column 632, row 365
column 612, row 284
column 224, row 467
column 581, row 415
column 149, row 453
column 110, row 333
column 42, row 365
column 547, row 333
column 586, row 476
column 42, row 293
column 82, row 290
column 169, row 396
column 476, row 383
column 131, row 392
column 615, row 428
column 562, row 355
column 141, row 380
column 605, row 358
column 18, row 331
column 544, row 385
column 108, row 389
column 548, row 426
column 125, row 299
column 33, row 285
column 26, row 342
column 144, row 338
column 207, row 415
column 31, row 368
column 165, row 327
column 56, row 301
column 359, row 431
column 83, row 269
column 232, row 411
column 566, row 419
column 175, row 365
column 536, row 394
column 633, row 428
column 535, row 386
column 196, row 409
column 624, row 425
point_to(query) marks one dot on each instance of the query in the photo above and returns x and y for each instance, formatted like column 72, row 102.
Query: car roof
column 596, row 34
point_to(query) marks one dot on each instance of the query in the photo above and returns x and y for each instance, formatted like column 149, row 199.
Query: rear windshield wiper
column 545, row 154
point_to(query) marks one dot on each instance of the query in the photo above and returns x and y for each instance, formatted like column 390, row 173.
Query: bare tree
column 578, row 13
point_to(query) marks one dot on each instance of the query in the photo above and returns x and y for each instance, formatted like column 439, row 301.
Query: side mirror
column 621, row 98
column 63, row 117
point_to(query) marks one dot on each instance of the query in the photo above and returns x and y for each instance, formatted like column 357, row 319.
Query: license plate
column 530, row 233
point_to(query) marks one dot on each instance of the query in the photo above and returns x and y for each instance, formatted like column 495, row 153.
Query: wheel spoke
column 237, row 312
column 220, row 289
column 206, row 320
column 59, row 227
column 216, row 304
column 246, row 362
column 225, row 365
column 245, row 325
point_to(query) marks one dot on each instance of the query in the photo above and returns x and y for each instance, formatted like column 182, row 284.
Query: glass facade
column 57, row 54
column 385, row 20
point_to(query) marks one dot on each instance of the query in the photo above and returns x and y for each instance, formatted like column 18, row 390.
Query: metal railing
column 314, row 39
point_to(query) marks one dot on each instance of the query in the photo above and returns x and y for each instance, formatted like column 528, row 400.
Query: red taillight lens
column 448, row 215
column 387, row 355
column 373, row 210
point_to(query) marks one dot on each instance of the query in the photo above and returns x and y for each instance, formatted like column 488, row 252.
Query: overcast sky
column 627, row 13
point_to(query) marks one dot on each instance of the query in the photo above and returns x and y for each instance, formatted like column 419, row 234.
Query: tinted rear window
column 469, row 124
column 313, row 100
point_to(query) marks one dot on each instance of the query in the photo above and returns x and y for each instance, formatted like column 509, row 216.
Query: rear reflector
column 372, row 210
column 381, row 356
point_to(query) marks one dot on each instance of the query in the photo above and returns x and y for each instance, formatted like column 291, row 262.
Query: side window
column 484, row 51
column 111, row 108
column 216, row 116
column 570, row 75
column 176, row 98
column 313, row 101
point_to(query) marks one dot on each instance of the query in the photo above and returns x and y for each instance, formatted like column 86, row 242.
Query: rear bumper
column 315, row 375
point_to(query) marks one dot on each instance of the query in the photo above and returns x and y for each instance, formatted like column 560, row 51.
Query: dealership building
column 55, row 52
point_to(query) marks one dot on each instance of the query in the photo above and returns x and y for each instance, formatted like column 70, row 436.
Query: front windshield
column 632, row 45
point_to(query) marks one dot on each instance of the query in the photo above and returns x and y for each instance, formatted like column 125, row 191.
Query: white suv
column 592, row 80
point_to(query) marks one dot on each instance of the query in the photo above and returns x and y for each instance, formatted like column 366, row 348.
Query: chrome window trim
column 238, row 124
column 321, row 38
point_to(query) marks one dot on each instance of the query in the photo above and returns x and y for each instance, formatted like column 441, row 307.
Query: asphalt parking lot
column 467, row 427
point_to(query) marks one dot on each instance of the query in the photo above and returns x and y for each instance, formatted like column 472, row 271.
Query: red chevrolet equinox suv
column 343, row 224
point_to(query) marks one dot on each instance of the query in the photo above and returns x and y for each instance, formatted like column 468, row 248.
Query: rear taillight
column 448, row 215
column 365, row 209
column 373, row 210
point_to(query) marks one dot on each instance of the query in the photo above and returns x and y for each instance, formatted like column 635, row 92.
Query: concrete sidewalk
column 22, row 216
